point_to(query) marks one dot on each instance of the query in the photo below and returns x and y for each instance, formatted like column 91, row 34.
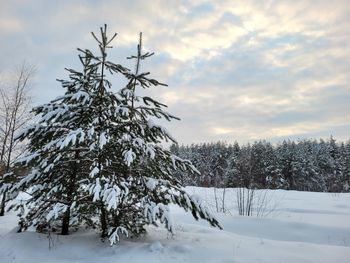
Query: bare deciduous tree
column 14, row 115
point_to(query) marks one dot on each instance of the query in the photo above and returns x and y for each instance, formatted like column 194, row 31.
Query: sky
column 236, row 70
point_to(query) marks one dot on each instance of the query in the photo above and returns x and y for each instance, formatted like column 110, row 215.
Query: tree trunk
column 70, row 195
column 3, row 204
column 65, row 222
column 223, row 200
column 216, row 200
column 104, row 232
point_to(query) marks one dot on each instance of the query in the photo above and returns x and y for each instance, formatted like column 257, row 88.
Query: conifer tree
column 61, row 143
column 147, row 169
column 96, row 155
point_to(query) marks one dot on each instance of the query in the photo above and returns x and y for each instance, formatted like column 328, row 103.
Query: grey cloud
column 235, row 72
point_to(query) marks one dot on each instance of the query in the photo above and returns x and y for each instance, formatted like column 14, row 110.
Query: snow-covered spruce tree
column 143, row 183
column 62, row 145
column 96, row 154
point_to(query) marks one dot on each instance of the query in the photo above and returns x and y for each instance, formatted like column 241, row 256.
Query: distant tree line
column 307, row 165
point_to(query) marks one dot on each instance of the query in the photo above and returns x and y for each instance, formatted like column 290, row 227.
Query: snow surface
column 293, row 227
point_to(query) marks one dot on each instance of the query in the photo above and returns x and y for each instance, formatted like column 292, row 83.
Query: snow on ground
column 293, row 227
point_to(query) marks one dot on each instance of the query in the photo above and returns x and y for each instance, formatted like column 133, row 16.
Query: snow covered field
column 294, row 227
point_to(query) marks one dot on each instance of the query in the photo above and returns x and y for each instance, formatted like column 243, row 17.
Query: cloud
column 237, row 70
